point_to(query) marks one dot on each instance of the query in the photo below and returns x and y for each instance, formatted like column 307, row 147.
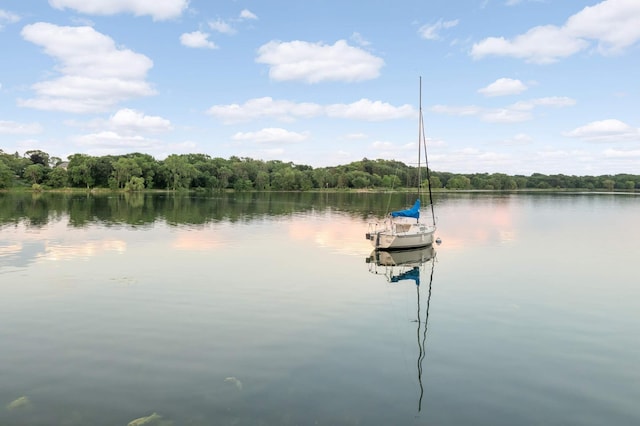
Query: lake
column 271, row 309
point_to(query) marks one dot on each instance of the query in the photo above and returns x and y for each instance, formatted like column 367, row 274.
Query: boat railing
column 375, row 227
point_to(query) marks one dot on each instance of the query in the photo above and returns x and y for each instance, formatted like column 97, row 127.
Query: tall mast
column 420, row 130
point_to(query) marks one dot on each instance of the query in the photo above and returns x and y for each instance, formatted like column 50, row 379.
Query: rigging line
column 423, row 352
column 395, row 174
column 420, row 351
column 426, row 159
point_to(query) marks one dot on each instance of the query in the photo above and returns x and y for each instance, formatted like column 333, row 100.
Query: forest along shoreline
column 38, row 171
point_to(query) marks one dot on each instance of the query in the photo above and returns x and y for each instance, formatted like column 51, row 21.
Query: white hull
column 396, row 236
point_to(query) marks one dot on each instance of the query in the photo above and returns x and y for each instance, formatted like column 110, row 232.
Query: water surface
column 270, row 309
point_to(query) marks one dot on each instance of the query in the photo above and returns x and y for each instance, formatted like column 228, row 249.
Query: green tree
column 207, row 171
column 435, row 182
column 54, row 161
column 124, row 169
column 16, row 163
column 521, row 181
column 136, row 183
column 320, row 178
column 608, row 184
column 180, row 172
column 502, row 181
column 34, row 173
column 57, row 178
column 148, row 166
column 390, row 181
column 242, row 185
column 81, row 168
column 283, row 180
column 459, row 182
column 6, row 176
column 262, row 180
column 38, row 157
column 102, row 171
column 304, row 179
column 224, row 173
column 358, row 179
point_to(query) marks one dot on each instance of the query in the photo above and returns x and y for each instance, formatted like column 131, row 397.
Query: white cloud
column 364, row 109
column 461, row 111
column 617, row 153
column 221, row 26
column 382, row 145
column 557, row 154
column 386, row 149
column 610, row 130
column 358, row 39
column 15, row 128
column 158, row 10
column 613, row 24
column 7, row 18
column 197, row 39
column 504, row 86
column 96, row 74
column 271, row 135
column 505, row 115
column 264, row 107
column 554, row 101
column 472, row 159
column 276, row 153
column 551, row 101
column 247, row 14
column 125, row 128
column 518, row 112
column 539, row 45
column 494, row 157
column 317, row 62
column 519, row 139
column 516, row 2
column 356, row 136
column 109, row 142
column 267, row 107
column 129, row 120
column 431, row 32
column 226, row 27
column 117, row 143
column 404, row 153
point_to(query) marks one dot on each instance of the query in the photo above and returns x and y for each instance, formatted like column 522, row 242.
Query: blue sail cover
column 412, row 274
column 412, row 212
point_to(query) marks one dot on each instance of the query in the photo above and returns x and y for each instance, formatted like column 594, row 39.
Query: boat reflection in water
column 409, row 265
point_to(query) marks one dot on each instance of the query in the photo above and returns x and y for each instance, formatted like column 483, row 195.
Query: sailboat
column 403, row 229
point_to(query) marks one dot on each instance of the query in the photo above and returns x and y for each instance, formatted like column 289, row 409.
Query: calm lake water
column 271, row 309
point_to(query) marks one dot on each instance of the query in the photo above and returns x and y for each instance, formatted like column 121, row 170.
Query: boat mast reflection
column 403, row 265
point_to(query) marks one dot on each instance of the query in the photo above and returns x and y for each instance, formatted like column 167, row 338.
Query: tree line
column 136, row 171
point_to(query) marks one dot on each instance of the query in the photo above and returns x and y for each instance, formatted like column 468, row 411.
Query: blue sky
column 510, row 86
